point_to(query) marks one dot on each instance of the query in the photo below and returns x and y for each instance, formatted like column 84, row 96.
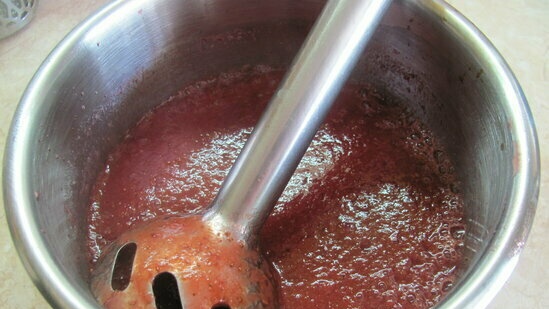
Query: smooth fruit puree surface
column 372, row 217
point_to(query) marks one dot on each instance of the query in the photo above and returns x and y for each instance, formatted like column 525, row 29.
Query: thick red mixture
column 370, row 219
column 211, row 268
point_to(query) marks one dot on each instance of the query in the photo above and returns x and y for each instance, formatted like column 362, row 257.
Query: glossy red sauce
column 210, row 267
column 371, row 219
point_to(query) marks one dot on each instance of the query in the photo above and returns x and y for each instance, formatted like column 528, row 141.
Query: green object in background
column 14, row 15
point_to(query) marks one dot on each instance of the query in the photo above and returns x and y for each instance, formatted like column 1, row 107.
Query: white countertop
column 518, row 28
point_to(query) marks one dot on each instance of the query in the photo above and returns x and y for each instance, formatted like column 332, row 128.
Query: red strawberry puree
column 371, row 219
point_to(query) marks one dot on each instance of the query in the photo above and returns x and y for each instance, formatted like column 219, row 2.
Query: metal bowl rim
column 480, row 286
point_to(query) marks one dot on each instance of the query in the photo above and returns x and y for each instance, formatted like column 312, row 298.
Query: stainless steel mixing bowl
column 134, row 54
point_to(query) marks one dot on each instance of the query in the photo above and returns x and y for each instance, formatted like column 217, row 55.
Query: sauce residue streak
column 210, row 267
column 371, row 219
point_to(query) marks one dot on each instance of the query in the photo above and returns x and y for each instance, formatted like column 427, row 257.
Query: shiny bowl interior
column 135, row 54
